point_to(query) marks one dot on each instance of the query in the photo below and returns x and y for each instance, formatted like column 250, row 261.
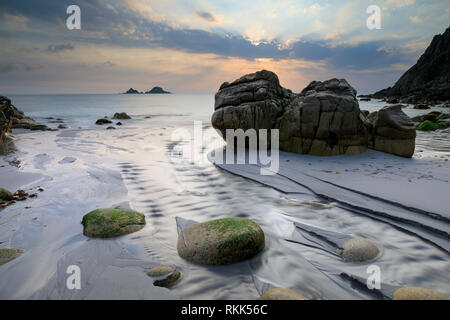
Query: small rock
column 281, row 294
column 103, row 121
column 119, row 123
column 359, row 250
column 62, row 126
column 107, row 223
column 39, row 127
column 7, row 254
column 421, row 107
column 220, row 241
column 165, row 276
column 416, row 293
column 5, row 195
column 121, row 115
column 110, row 128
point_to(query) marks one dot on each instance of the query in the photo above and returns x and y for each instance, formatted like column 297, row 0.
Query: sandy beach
column 400, row 204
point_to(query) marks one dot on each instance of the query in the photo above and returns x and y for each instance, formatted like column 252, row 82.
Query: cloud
column 206, row 16
column 415, row 19
column 16, row 67
column 9, row 68
column 54, row 48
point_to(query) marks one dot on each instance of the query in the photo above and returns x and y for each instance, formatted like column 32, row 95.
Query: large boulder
column 324, row 119
column 392, row 131
column 107, row 223
column 255, row 101
column 220, row 241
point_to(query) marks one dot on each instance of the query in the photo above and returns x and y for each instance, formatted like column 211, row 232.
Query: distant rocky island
column 428, row 81
column 154, row 90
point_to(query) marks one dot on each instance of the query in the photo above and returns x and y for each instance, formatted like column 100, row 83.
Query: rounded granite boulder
column 281, row 294
column 107, row 223
column 164, row 276
column 221, row 241
column 359, row 250
column 416, row 293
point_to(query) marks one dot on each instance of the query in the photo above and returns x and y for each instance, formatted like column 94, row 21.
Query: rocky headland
column 428, row 81
column 13, row 118
column 324, row 119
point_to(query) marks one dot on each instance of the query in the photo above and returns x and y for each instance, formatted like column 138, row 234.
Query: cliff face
column 429, row 79
column 6, row 118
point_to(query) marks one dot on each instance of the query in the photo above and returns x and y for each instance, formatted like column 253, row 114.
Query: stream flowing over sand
column 400, row 204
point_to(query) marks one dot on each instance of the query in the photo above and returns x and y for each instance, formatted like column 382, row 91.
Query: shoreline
column 75, row 187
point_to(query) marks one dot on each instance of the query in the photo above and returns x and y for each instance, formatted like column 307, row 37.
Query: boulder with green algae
column 416, row 293
column 5, row 195
column 359, row 250
column 281, row 294
column 220, row 241
column 7, row 254
column 107, row 223
column 427, row 125
column 164, row 276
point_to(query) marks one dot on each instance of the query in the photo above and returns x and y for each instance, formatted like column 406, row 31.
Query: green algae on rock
column 165, row 276
column 359, row 250
column 416, row 293
column 7, row 254
column 281, row 294
column 427, row 125
column 5, row 195
column 221, row 241
column 107, row 223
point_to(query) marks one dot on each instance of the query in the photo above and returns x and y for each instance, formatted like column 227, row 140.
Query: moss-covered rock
column 164, row 276
column 359, row 250
column 427, row 125
column 416, row 293
column 221, row 241
column 443, row 124
column 7, row 254
column 5, row 195
column 281, row 294
column 443, row 116
column 106, row 223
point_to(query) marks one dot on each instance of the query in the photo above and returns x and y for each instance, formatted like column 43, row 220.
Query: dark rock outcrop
column 121, row 115
column 253, row 101
column 428, row 81
column 324, row 119
column 392, row 131
column 13, row 118
column 132, row 91
column 157, row 90
column 102, row 121
column 6, row 118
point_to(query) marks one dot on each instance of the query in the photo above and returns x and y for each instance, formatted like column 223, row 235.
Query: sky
column 192, row 46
